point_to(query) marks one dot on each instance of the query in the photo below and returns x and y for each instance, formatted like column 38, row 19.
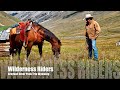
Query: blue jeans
column 92, row 48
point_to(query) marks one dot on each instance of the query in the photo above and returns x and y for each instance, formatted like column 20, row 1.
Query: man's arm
column 98, row 30
column 86, row 36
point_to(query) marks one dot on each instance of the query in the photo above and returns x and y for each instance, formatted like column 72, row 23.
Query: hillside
column 73, row 27
column 7, row 20
column 70, row 24
column 40, row 16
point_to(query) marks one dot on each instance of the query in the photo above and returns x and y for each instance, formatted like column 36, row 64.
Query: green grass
column 4, row 28
column 76, row 50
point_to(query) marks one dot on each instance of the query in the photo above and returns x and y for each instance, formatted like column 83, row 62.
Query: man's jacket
column 92, row 30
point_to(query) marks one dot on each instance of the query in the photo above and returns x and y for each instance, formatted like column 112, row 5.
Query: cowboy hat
column 87, row 16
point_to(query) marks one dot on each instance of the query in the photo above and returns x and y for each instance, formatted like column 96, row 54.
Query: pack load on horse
column 34, row 34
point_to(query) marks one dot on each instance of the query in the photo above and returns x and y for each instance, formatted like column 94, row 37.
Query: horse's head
column 56, row 48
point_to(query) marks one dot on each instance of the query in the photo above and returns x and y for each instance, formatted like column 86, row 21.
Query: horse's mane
column 48, row 34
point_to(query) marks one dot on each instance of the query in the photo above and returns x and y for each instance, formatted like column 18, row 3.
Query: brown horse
column 15, row 43
column 36, row 36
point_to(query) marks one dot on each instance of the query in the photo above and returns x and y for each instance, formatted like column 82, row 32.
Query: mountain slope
column 70, row 24
column 7, row 20
column 41, row 16
column 74, row 26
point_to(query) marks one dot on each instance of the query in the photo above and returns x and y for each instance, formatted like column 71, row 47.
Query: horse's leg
column 40, row 49
column 11, row 47
column 28, row 49
column 11, row 56
column 19, row 51
column 11, row 51
column 55, row 53
column 54, row 56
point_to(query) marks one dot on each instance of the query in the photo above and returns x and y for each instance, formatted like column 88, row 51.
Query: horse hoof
column 55, row 58
column 11, row 58
column 26, row 60
column 41, row 59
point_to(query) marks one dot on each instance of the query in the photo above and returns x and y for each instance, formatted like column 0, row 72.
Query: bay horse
column 36, row 36
column 15, row 43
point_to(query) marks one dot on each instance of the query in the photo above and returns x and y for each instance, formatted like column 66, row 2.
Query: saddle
column 22, row 35
column 13, row 31
column 24, row 30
